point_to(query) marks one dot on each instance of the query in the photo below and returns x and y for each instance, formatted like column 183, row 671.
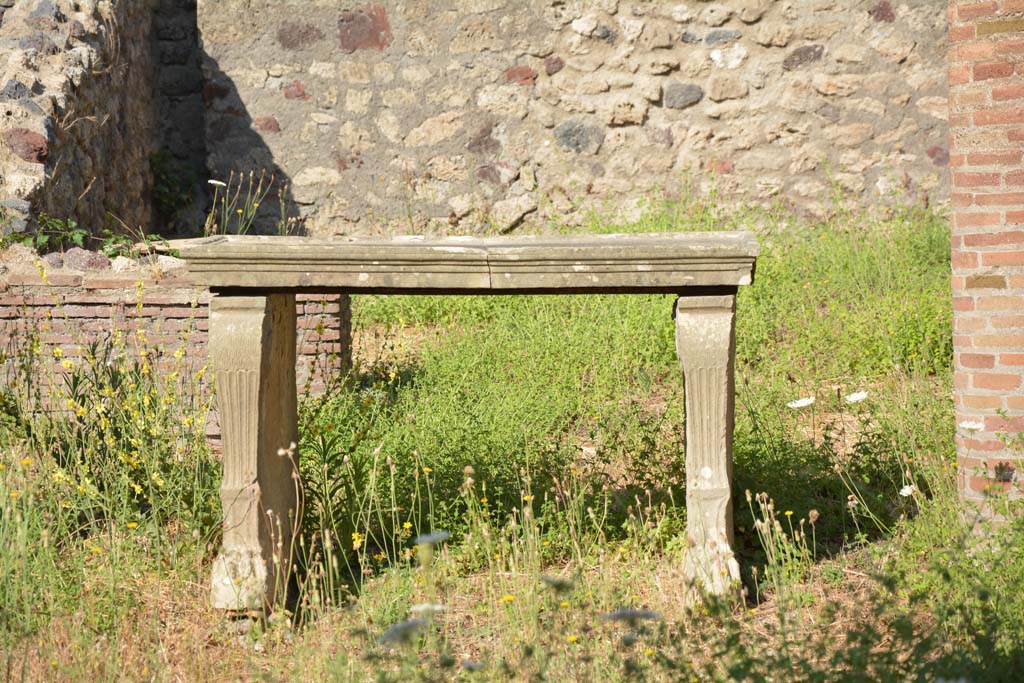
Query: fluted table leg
column 252, row 349
column 705, row 342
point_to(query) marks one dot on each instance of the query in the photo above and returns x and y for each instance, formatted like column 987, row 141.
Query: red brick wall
column 986, row 82
column 70, row 309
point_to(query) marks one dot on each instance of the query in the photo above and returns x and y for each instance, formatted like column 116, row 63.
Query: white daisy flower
column 801, row 402
column 856, row 397
column 908, row 490
column 969, row 426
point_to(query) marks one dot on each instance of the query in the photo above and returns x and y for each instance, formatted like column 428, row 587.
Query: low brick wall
column 70, row 307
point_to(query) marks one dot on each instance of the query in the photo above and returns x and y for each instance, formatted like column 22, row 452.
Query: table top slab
column 574, row 263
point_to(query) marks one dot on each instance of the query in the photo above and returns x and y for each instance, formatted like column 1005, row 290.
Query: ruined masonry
column 465, row 117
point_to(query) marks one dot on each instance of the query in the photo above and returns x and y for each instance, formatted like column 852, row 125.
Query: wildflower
column 801, row 402
column 851, row 501
column 564, row 603
column 132, row 525
column 15, row 494
column 407, row 525
column 26, row 461
column 427, row 608
column 908, row 490
column 789, row 513
column 216, row 183
column 571, row 639
column 58, row 352
column 484, row 500
column 505, row 599
column 527, row 499
column 856, row 397
column 357, row 540
column 427, row 470
column 969, row 426
column 66, row 364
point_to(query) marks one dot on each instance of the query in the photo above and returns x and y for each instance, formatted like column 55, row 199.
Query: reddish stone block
column 27, row 144
column 267, row 124
column 521, row 75
column 295, row 91
column 364, row 28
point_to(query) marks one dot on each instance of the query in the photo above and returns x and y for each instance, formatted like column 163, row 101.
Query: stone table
column 252, row 348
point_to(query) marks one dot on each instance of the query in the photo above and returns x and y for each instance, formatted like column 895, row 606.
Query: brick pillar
column 986, row 89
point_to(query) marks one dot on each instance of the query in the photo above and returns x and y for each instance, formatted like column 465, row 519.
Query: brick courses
column 70, row 310
column 986, row 77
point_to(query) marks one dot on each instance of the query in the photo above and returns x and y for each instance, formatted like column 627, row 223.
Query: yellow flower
column 527, row 499
column 26, row 461
column 571, row 639
column 505, row 599
column 58, row 352
column 427, row 470
column 484, row 500
column 564, row 603
column 66, row 364
column 15, row 494
column 132, row 525
column 407, row 525
column 81, row 412
column 789, row 513
column 357, row 540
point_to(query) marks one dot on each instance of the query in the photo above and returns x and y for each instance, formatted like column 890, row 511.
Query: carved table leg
column 252, row 349
column 705, row 342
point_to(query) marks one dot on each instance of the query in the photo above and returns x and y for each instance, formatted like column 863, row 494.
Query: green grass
column 544, row 433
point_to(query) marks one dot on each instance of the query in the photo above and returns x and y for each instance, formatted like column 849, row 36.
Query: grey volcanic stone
column 720, row 36
column 14, row 90
column 682, row 95
column 579, row 137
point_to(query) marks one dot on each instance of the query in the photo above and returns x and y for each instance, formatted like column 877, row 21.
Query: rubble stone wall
column 78, row 123
column 455, row 115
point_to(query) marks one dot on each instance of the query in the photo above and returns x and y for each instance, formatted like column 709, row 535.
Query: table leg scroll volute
column 252, row 349
column 705, row 342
